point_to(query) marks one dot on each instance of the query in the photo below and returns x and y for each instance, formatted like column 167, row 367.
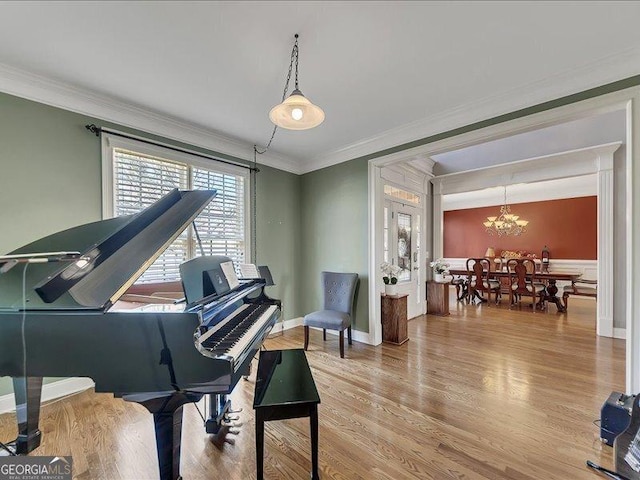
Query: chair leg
column 324, row 334
column 341, row 343
column 488, row 298
column 533, row 306
column 306, row 337
column 349, row 334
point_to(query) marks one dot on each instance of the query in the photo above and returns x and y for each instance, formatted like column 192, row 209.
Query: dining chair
column 522, row 280
column 462, row 289
column 337, row 314
column 479, row 280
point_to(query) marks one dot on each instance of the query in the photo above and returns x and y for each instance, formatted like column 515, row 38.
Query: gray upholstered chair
column 339, row 294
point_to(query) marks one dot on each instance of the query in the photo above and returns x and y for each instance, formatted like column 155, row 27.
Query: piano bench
column 285, row 389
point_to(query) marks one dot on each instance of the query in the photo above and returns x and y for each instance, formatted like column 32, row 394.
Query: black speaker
column 615, row 416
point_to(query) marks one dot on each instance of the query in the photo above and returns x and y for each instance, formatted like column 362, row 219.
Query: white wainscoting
column 50, row 391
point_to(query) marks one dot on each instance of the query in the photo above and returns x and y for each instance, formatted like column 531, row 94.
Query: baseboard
column 50, row 391
column 357, row 335
column 619, row 333
column 286, row 325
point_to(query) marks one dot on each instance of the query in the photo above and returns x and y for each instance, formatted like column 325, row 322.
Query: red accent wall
column 569, row 228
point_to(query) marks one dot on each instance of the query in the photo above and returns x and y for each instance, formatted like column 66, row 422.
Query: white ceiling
column 586, row 132
column 384, row 72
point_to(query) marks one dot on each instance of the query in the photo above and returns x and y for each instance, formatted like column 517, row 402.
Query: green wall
column 334, row 232
column 50, row 179
column 278, row 235
column 50, row 170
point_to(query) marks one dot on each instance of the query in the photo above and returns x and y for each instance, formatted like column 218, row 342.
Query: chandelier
column 506, row 223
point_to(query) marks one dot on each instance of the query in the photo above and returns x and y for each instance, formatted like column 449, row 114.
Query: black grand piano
column 57, row 319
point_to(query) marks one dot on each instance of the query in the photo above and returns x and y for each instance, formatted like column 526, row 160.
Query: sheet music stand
column 265, row 274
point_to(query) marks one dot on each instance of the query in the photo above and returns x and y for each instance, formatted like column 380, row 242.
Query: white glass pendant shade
column 296, row 113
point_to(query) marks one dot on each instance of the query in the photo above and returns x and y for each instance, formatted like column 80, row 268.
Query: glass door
column 402, row 239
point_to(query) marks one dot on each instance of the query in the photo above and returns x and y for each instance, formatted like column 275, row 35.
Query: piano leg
column 27, row 392
column 219, row 405
column 167, row 420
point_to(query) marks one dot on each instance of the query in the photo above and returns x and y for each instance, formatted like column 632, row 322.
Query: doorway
column 624, row 99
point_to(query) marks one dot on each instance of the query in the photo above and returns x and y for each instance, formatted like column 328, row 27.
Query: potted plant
column 390, row 277
column 440, row 269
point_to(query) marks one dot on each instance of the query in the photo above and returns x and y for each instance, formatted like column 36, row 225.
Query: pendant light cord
column 254, row 243
column 256, row 151
column 294, row 57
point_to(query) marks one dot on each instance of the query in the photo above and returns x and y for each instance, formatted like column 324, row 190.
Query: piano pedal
column 233, row 431
column 220, row 438
column 229, row 418
column 230, row 410
column 232, row 424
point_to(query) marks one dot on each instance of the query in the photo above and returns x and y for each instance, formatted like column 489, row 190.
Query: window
column 136, row 174
column 401, row 195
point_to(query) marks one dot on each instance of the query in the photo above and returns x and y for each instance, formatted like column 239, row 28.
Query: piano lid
column 114, row 253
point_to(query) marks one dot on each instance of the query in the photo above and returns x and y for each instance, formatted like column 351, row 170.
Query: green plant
column 389, row 273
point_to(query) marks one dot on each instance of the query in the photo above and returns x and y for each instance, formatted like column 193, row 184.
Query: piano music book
column 230, row 274
column 249, row 270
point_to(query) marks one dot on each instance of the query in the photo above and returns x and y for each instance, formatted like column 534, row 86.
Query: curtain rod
column 93, row 128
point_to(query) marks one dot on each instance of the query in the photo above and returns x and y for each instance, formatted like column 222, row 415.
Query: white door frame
column 411, row 180
column 628, row 100
column 584, row 161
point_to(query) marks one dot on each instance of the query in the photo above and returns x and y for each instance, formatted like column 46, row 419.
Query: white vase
column 439, row 277
column 390, row 289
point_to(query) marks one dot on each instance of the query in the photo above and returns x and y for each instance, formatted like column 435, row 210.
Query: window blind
column 140, row 180
column 222, row 225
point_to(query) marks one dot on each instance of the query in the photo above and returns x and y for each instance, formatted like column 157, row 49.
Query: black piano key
column 228, row 335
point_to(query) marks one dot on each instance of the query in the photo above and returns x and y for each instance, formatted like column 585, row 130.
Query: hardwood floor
column 486, row 393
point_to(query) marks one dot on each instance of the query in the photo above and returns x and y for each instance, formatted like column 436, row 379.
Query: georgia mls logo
column 35, row 468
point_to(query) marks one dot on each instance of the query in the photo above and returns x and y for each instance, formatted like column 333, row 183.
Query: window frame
column 109, row 142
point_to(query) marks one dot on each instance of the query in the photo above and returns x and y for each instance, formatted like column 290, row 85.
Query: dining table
column 549, row 279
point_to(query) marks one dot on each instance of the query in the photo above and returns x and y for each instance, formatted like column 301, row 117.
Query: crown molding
column 44, row 90
column 572, row 187
column 572, row 163
column 38, row 88
column 591, row 75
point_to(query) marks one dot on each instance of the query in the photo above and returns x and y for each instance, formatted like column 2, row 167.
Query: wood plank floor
column 486, row 393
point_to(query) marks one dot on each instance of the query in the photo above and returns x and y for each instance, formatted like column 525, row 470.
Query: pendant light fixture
column 296, row 112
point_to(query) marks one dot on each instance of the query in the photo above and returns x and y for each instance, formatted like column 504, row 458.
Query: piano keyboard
column 232, row 336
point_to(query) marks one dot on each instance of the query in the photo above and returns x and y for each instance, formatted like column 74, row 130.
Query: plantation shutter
column 222, row 225
column 140, row 180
